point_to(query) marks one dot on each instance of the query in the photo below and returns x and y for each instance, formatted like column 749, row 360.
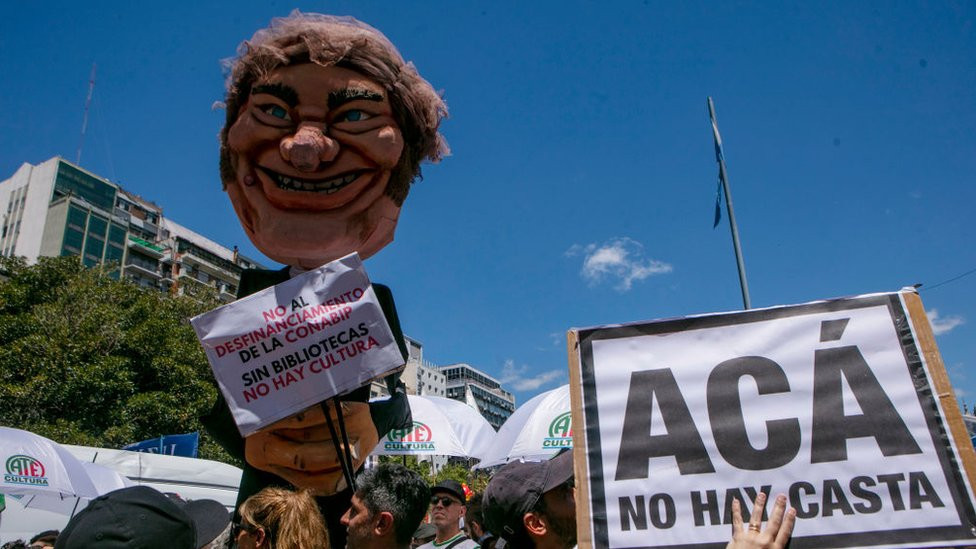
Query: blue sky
column 582, row 182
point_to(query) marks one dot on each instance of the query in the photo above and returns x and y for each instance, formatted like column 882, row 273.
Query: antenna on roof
column 84, row 122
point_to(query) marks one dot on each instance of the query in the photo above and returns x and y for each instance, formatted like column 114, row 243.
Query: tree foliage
column 87, row 359
column 458, row 469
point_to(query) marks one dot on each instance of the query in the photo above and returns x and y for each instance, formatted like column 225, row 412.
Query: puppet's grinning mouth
column 327, row 186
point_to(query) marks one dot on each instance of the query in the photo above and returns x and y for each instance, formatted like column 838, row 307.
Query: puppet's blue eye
column 276, row 111
column 354, row 115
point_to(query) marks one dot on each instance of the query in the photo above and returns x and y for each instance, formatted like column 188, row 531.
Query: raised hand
column 752, row 536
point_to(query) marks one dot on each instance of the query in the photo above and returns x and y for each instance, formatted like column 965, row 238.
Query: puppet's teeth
column 328, row 187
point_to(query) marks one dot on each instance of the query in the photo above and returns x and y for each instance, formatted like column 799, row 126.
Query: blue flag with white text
column 170, row 445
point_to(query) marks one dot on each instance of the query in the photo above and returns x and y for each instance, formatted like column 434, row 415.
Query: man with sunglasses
column 447, row 508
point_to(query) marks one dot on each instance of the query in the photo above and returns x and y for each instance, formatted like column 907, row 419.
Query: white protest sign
column 831, row 403
column 285, row 348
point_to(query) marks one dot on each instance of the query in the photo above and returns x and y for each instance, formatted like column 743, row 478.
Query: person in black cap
column 137, row 517
column 447, row 508
column 44, row 540
column 533, row 504
column 212, row 522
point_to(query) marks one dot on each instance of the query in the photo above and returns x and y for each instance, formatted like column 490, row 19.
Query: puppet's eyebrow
column 281, row 91
column 340, row 97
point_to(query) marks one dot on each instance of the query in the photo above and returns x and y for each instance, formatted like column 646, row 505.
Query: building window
column 73, row 239
column 113, row 253
column 116, row 235
column 94, row 246
column 77, row 219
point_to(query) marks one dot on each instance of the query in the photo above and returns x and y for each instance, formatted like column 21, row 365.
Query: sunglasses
column 445, row 501
column 238, row 528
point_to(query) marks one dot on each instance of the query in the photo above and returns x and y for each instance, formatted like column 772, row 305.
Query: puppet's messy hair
column 345, row 42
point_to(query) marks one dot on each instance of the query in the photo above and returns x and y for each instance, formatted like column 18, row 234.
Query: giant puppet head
column 326, row 128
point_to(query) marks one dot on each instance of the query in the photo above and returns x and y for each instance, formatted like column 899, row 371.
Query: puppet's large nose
column 308, row 148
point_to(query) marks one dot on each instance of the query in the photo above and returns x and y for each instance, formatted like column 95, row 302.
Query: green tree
column 410, row 462
column 453, row 471
column 459, row 470
column 87, row 359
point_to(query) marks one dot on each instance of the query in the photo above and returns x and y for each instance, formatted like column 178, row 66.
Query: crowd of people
column 525, row 505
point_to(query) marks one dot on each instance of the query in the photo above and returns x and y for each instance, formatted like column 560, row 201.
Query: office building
column 56, row 208
column 419, row 376
column 468, row 384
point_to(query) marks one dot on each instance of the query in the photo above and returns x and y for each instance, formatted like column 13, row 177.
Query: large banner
column 283, row 349
column 834, row 404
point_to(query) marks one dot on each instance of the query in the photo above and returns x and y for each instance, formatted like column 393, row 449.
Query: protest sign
column 310, row 338
column 843, row 406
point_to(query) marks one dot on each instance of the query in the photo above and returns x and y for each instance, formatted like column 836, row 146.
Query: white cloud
column 943, row 325
column 619, row 259
column 515, row 377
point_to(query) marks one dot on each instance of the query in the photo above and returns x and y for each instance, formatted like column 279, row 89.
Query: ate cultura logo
column 26, row 470
column 418, row 438
column 560, row 432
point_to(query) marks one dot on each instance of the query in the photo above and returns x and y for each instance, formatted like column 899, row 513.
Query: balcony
column 143, row 270
column 225, row 295
column 146, row 247
column 121, row 216
column 211, row 268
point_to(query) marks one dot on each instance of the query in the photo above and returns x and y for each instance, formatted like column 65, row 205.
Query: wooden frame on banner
column 581, row 470
column 940, row 383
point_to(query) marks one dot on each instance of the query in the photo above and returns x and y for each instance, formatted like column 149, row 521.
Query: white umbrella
column 441, row 426
column 36, row 465
column 537, row 430
column 104, row 479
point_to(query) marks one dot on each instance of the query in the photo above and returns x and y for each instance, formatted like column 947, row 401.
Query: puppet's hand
column 300, row 449
column 777, row 532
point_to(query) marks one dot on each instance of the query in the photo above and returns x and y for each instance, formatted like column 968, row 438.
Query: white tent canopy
column 105, row 480
column 190, row 478
column 441, row 426
column 37, row 465
column 537, row 430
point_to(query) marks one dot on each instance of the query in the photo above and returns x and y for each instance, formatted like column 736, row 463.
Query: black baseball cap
column 137, row 517
column 46, row 535
column 452, row 487
column 210, row 517
column 517, row 487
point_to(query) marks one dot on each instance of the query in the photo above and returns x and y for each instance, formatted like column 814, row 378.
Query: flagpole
column 720, row 157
